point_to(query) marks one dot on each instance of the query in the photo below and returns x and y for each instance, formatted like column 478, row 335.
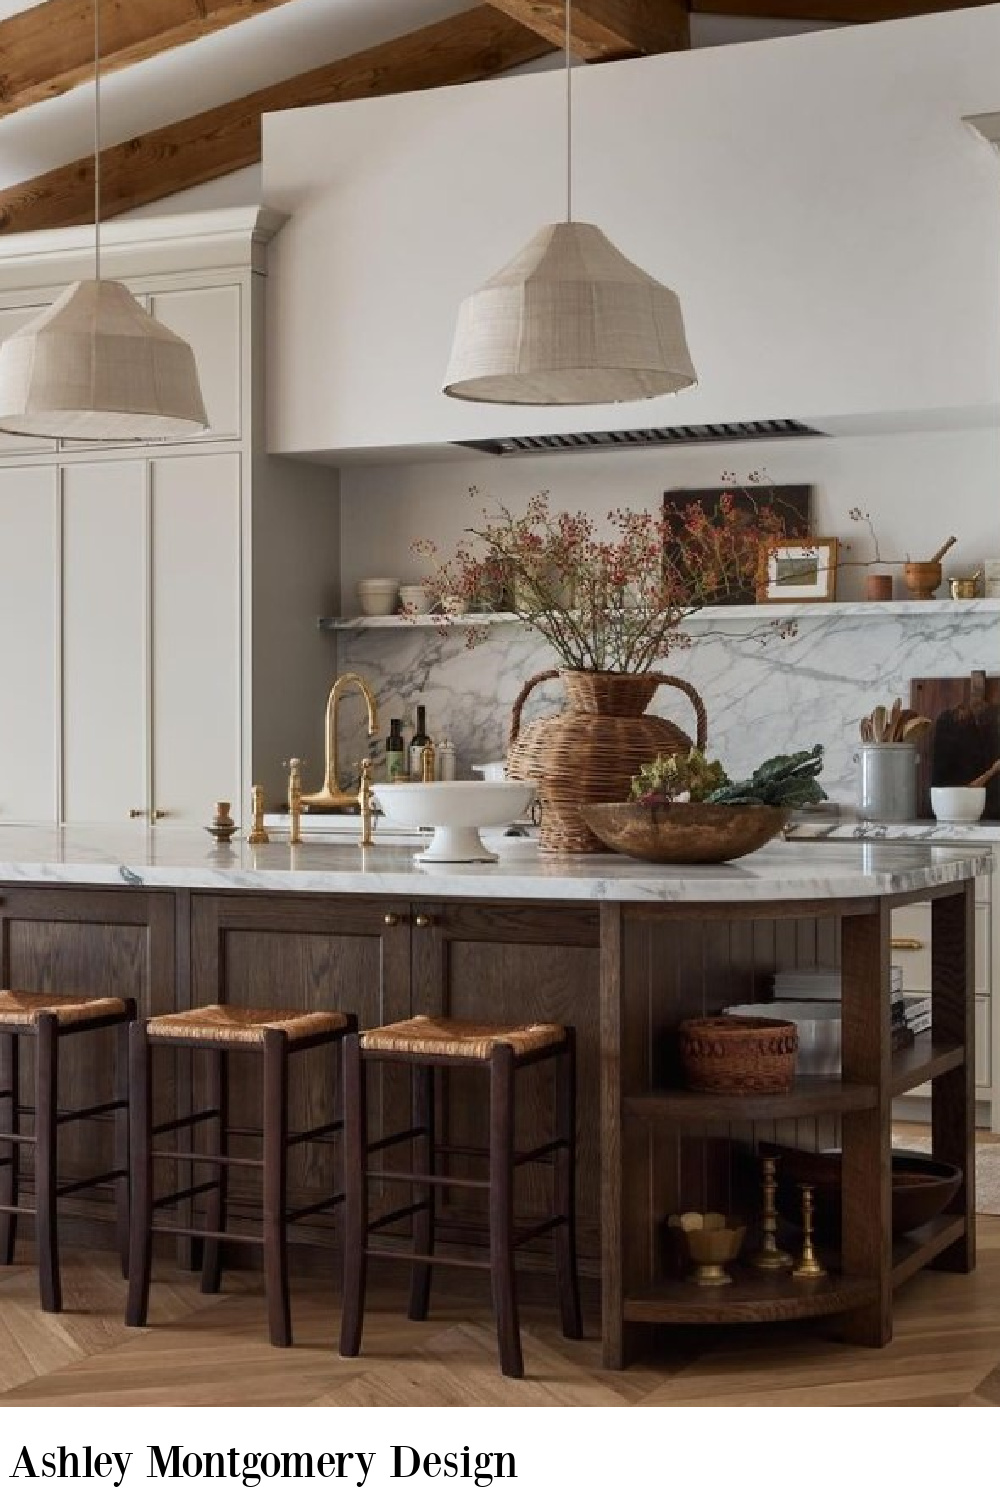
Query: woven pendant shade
column 569, row 322
column 96, row 366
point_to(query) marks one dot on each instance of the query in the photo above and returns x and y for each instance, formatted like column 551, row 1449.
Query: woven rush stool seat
column 239, row 1026
column 48, row 1021
column 426, row 1044
column 421, row 1035
column 21, row 1008
column 275, row 1035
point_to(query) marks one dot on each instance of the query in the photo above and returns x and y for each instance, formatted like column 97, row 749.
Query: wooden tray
column 965, row 738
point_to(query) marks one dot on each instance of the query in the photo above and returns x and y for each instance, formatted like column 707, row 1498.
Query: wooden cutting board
column 965, row 738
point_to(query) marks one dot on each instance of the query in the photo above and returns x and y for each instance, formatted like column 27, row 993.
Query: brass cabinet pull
column 158, row 813
column 391, row 919
column 907, row 944
column 424, row 921
column 137, row 812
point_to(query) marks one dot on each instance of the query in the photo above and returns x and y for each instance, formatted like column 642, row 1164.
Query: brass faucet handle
column 294, row 765
column 365, row 801
column 258, row 833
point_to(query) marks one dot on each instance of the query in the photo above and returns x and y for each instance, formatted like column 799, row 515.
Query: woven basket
column 590, row 751
column 738, row 1054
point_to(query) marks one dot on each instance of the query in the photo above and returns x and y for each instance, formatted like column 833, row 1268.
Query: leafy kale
column 782, row 781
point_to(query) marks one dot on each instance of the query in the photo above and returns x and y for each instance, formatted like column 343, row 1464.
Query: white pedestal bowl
column 456, row 810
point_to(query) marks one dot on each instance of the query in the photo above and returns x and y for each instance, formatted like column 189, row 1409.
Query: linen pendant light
column 95, row 365
column 570, row 321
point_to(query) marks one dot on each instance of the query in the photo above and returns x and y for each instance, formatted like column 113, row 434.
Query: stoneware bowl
column 683, row 833
column 958, row 804
column 378, row 595
column 415, row 598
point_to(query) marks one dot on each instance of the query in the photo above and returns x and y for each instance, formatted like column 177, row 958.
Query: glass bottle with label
column 395, row 752
column 419, row 740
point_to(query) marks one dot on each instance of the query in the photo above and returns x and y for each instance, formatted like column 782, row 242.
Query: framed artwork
column 800, row 572
column 791, row 503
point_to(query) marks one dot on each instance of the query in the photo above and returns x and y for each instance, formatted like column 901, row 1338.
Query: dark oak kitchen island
column 619, row 949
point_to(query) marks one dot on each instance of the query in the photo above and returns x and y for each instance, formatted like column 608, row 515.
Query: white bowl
column 492, row 770
column 456, row 810
column 818, row 1023
column 413, row 596
column 378, row 595
column 958, row 804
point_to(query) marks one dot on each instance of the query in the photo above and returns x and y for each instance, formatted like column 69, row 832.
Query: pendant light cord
column 569, row 114
column 97, row 140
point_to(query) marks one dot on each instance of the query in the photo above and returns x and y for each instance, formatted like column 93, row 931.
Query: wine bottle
column 419, row 740
column 395, row 751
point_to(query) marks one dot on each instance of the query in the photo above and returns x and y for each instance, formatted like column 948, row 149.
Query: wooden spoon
column 915, row 726
column 987, row 775
column 892, row 729
column 880, row 719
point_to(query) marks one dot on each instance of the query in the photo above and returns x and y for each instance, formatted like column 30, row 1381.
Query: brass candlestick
column 808, row 1267
column 258, row 833
column 769, row 1257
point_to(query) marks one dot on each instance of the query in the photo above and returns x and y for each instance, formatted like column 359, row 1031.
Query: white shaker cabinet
column 194, row 614
column 11, row 319
column 159, row 602
column 104, row 627
column 29, row 532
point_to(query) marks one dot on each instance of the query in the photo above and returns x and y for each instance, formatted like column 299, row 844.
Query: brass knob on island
column 424, row 921
column 392, row 919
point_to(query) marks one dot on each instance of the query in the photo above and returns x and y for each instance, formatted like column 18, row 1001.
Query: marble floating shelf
column 714, row 613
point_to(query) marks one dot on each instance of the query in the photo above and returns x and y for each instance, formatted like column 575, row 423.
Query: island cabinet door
column 309, row 953
column 68, row 941
column 516, row 963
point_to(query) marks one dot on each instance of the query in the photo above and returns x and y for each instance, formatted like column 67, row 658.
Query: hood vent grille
column 645, row 437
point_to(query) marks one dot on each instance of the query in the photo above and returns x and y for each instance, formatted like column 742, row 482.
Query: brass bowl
column 922, row 578
column 708, row 1251
column 683, row 833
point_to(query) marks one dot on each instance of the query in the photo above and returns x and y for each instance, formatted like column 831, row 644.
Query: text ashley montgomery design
column 177, row 1462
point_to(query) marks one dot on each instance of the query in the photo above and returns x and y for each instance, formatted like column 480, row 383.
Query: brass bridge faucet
column 330, row 794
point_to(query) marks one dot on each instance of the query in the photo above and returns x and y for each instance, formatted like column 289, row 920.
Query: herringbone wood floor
column 213, row 1351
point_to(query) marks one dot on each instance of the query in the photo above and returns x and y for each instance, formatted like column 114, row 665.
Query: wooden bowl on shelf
column 922, row 1188
column 683, row 833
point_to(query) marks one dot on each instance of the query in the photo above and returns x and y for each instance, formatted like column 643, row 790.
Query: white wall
column 918, row 488
column 831, row 225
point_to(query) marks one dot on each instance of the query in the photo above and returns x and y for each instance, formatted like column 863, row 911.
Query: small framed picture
column 803, row 571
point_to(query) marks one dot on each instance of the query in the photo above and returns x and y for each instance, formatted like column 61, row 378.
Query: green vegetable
column 669, row 777
column 782, row 781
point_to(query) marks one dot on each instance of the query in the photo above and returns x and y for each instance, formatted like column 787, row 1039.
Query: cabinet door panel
column 209, row 320
column 196, row 635
column 515, row 965
column 104, row 641
column 28, row 520
column 11, row 319
column 76, row 942
column 305, row 953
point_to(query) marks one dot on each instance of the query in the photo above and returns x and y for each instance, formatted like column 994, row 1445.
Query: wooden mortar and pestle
column 922, row 578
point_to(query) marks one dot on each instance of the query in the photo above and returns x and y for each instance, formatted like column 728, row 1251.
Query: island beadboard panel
column 764, row 693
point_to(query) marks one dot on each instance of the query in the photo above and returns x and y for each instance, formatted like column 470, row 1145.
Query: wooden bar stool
column 48, row 1020
column 426, row 1044
column 220, row 1030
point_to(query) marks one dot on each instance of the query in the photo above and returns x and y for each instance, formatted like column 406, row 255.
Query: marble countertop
column 184, row 857
column 923, row 832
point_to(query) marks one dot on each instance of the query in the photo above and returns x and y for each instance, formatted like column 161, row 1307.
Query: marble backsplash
column 763, row 695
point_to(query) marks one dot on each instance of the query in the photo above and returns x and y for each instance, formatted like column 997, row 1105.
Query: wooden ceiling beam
column 50, row 48
column 846, row 12
column 477, row 43
column 604, row 29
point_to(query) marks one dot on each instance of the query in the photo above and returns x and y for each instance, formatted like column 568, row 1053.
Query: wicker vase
column 590, row 751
